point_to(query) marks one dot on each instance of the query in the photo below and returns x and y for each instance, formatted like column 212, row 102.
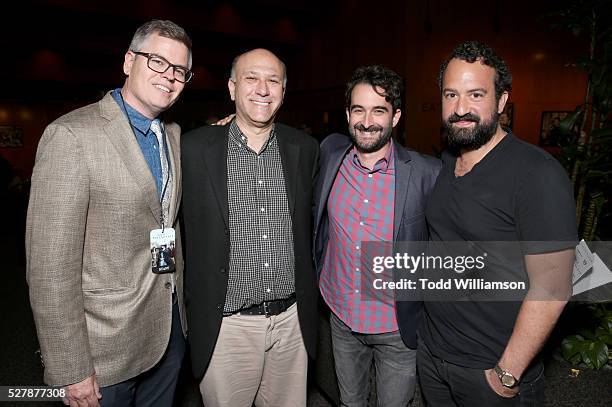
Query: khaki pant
column 257, row 360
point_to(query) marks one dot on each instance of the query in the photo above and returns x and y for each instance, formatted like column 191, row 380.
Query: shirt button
column 357, row 247
column 268, row 290
column 265, row 236
column 370, row 175
column 266, row 265
column 360, row 223
column 263, row 209
column 260, row 182
column 357, row 291
column 357, row 269
column 365, row 201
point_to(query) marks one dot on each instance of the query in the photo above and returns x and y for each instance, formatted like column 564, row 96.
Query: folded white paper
column 598, row 276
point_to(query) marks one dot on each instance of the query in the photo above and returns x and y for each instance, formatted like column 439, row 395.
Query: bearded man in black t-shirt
column 494, row 188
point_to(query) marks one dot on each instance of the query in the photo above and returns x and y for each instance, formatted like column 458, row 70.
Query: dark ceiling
column 57, row 46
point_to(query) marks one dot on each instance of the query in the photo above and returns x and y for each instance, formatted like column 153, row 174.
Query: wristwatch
column 506, row 378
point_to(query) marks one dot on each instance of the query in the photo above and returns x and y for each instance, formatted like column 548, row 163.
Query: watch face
column 508, row 380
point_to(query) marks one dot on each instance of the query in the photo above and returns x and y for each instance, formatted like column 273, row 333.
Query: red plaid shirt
column 360, row 209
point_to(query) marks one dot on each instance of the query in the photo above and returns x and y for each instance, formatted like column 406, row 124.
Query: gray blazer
column 96, row 303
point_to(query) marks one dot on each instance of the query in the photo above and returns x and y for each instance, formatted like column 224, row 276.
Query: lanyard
column 164, row 146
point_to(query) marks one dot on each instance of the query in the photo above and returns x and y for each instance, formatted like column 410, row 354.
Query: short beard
column 376, row 144
column 470, row 139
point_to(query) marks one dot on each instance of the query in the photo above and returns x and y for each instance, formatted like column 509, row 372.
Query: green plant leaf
column 600, row 330
column 607, row 322
column 597, row 354
column 587, row 334
column 572, row 346
column 567, row 124
column 606, row 338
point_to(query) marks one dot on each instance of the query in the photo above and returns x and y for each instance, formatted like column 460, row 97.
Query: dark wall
column 69, row 53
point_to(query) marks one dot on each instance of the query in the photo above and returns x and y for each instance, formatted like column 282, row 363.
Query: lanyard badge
column 163, row 250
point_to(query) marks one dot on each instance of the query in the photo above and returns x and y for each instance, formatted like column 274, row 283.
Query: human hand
column 497, row 387
column 85, row 393
column 225, row 120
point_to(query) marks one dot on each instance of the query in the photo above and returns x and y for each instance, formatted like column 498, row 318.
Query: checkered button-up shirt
column 262, row 264
column 360, row 209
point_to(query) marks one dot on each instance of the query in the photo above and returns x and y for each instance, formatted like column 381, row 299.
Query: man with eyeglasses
column 105, row 192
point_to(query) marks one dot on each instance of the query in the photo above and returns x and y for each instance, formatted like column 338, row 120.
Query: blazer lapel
column 329, row 171
column 290, row 157
column 403, row 171
column 122, row 137
column 173, row 136
column 214, row 157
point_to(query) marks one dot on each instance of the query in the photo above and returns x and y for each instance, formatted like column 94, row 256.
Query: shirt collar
column 137, row 119
column 383, row 165
column 241, row 139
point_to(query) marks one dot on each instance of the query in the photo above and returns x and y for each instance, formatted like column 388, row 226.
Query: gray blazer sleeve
column 54, row 251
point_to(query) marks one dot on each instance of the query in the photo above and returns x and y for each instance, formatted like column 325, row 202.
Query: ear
column 502, row 102
column 348, row 115
column 128, row 61
column 396, row 117
column 231, row 85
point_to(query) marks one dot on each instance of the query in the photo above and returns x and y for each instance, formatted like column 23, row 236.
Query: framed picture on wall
column 11, row 136
column 506, row 117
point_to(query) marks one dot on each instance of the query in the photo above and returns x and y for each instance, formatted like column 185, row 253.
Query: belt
column 269, row 308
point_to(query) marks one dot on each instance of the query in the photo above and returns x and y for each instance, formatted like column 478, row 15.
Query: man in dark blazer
column 369, row 188
column 251, row 292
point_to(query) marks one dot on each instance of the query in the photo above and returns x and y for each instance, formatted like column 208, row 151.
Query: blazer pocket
column 105, row 291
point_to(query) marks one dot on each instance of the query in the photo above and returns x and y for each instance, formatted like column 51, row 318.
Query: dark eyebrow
column 375, row 107
column 381, row 108
column 483, row 90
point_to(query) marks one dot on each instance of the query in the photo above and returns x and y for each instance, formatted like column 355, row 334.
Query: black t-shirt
column 516, row 193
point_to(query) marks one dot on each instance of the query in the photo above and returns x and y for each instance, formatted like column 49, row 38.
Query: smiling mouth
column 368, row 132
column 259, row 103
column 162, row 88
column 464, row 122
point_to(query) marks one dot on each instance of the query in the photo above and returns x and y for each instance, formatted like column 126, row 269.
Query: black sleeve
column 546, row 213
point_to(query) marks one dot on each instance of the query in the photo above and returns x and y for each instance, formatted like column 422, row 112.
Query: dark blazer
column 415, row 175
column 206, row 214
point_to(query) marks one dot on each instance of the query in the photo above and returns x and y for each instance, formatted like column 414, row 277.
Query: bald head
column 252, row 57
column 257, row 87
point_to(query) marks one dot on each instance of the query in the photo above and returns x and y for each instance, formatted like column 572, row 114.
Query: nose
column 262, row 88
column 461, row 106
column 367, row 120
column 169, row 74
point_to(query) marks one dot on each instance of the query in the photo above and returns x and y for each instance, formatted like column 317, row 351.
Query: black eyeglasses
column 161, row 65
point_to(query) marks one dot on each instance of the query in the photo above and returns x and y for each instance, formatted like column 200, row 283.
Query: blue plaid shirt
column 145, row 137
